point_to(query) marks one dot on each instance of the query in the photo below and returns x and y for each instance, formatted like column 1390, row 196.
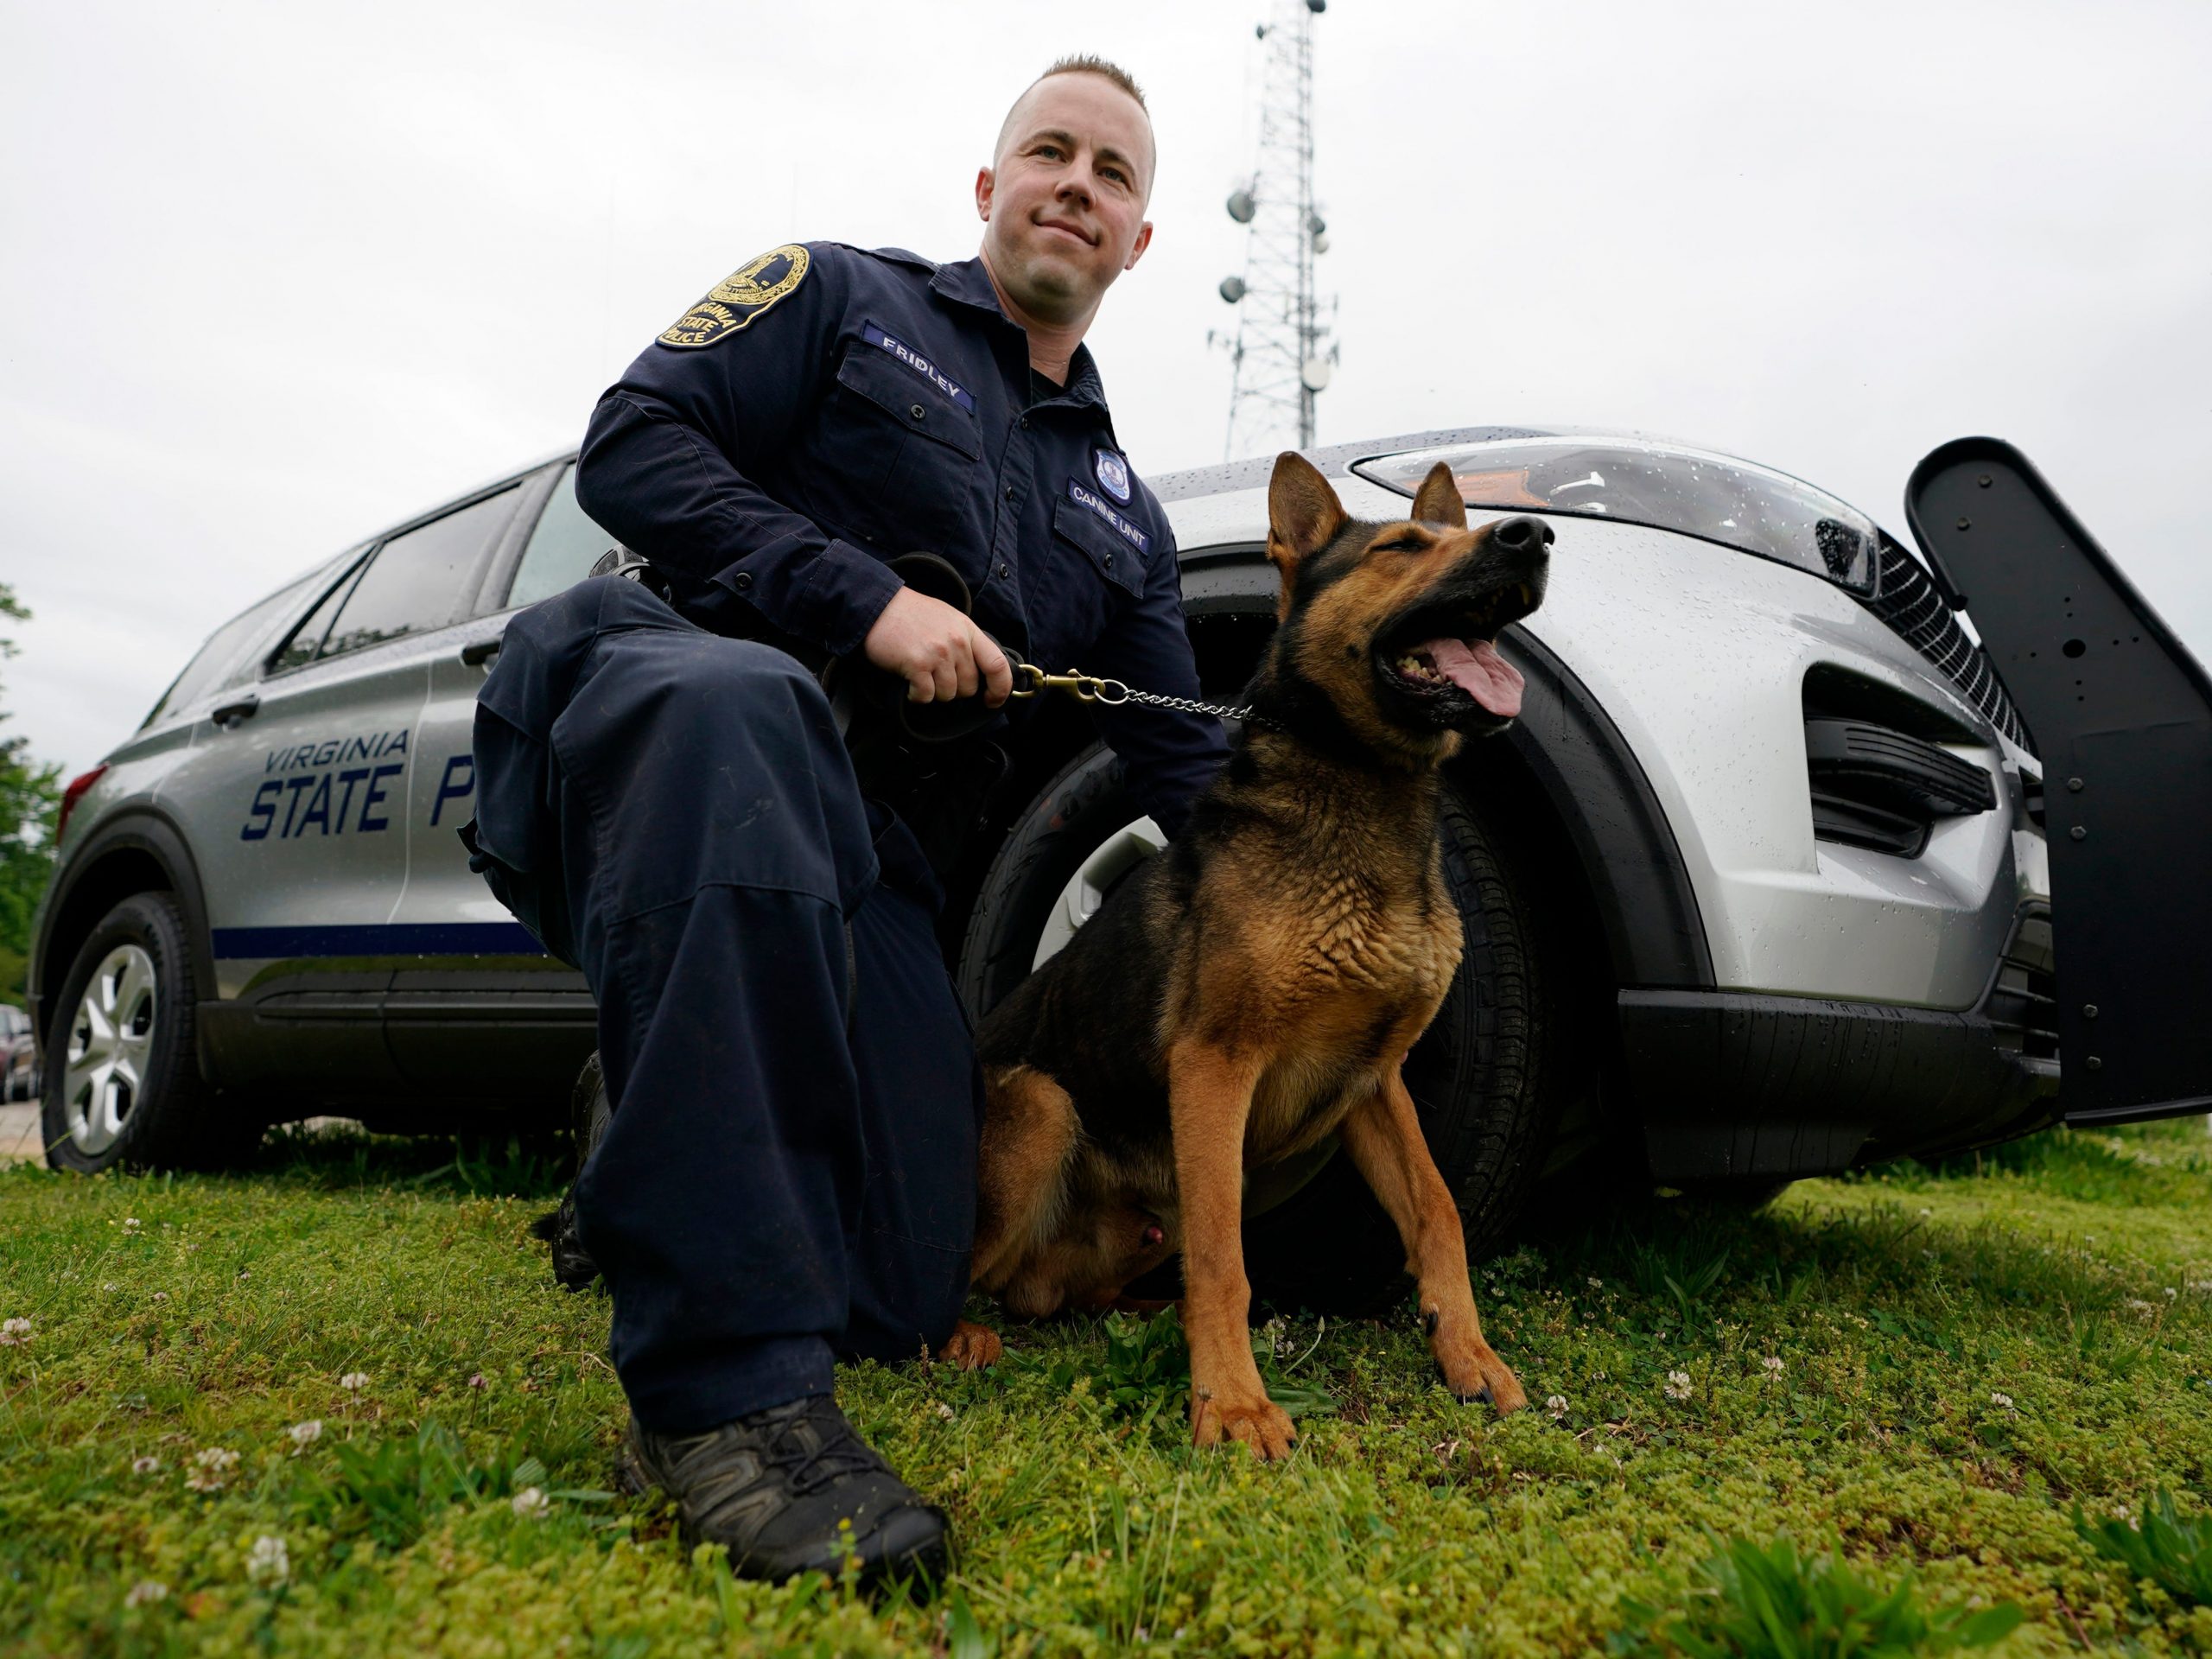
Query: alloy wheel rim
column 1098, row 875
column 110, row 1043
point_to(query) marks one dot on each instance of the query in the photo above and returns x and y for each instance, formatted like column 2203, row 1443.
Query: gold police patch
column 740, row 297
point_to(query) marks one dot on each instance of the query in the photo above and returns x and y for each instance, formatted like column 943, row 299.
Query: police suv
column 1759, row 885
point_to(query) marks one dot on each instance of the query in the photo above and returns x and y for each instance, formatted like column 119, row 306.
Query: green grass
column 1968, row 1357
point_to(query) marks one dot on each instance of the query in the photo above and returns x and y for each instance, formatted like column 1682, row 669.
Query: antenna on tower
column 1281, row 356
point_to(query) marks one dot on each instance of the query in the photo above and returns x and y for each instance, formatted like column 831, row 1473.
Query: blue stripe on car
column 400, row 939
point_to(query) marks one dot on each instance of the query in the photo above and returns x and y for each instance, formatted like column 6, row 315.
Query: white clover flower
column 15, row 1333
column 531, row 1503
column 131, row 1223
column 145, row 1590
column 1772, row 1365
column 145, row 1466
column 2002, row 1400
column 353, row 1382
column 2138, row 1304
column 161, row 1295
column 1678, row 1385
column 1596, row 1283
column 1925, row 1211
column 476, row 1380
column 945, row 1411
column 1557, row 1406
column 268, row 1563
column 306, row 1434
column 211, row 1467
column 2172, row 1292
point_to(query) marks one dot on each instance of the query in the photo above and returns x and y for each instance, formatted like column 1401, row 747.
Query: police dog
column 1255, row 987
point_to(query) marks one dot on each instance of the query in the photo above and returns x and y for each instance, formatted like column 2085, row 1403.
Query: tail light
column 74, row 793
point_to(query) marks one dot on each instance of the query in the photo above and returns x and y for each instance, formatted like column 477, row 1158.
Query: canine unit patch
column 920, row 365
column 1114, row 476
column 740, row 297
column 1128, row 531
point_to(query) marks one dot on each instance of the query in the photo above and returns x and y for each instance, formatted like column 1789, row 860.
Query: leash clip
column 1085, row 688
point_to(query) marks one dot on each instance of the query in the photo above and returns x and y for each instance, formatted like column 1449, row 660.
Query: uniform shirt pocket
column 909, row 400
column 895, row 467
column 1114, row 553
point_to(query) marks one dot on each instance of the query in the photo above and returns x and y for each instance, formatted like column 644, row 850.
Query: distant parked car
column 1758, row 886
column 18, row 1054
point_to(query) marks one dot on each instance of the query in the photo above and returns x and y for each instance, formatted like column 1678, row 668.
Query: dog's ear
column 1303, row 515
column 1437, row 500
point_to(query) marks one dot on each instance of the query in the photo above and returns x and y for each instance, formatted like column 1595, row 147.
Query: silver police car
column 1758, row 886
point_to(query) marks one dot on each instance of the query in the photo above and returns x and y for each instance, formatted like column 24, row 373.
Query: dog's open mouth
column 1452, row 653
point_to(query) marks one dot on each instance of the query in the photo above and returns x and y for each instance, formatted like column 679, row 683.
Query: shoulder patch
column 747, row 292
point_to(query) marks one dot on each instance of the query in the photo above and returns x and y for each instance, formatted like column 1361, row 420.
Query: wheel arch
column 140, row 850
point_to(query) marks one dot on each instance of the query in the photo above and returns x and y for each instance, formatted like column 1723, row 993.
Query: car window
column 229, row 655
column 415, row 580
column 306, row 638
column 562, row 548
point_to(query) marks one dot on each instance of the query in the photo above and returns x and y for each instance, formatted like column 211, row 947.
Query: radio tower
column 1280, row 355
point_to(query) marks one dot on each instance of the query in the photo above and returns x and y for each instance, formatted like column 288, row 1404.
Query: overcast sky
column 273, row 276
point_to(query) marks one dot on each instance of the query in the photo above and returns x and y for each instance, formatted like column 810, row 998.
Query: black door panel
column 2122, row 716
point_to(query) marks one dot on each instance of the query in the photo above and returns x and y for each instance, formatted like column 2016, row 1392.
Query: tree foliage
column 30, row 799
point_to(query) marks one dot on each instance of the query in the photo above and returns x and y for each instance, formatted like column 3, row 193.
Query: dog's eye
column 1407, row 543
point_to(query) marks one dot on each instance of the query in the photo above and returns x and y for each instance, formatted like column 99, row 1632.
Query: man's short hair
column 1086, row 63
column 1076, row 63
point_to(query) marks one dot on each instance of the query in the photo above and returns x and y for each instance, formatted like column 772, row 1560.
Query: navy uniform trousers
column 789, row 1173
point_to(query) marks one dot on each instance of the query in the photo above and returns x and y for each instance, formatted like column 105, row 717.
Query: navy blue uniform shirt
column 825, row 409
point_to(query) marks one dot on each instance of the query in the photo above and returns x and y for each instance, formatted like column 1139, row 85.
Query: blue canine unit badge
column 740, row 297
column 1114, row 476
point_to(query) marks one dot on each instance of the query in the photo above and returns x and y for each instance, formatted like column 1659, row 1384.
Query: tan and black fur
column 1256, row 986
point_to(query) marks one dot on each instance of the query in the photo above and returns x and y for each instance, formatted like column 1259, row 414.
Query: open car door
column 2122, row 715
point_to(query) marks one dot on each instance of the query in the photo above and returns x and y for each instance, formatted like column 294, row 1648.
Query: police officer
column 666, row 796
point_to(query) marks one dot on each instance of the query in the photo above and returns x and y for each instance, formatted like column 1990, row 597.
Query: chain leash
column 1090, row 688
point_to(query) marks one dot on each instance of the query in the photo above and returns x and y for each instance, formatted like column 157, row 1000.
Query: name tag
column 920, row 365
column 1121, row 522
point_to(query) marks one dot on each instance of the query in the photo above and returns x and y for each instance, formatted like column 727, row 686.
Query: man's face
column 1063, row 204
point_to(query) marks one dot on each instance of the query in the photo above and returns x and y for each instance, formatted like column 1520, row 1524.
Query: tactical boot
column 791, row 1489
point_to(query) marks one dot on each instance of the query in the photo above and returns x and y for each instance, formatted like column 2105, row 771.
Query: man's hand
column 940, row 653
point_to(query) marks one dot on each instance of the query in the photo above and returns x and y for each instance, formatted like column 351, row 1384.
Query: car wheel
column 123, row 1083
column 1475, row 1076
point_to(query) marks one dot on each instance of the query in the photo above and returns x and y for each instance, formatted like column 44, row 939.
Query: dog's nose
column 1522, row 535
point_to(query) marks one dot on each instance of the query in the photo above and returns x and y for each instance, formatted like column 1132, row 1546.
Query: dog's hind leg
column 1382, row 1134
column 971, row 1346
column 1029, row 1135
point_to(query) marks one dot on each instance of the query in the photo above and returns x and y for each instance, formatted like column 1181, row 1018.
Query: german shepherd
column 1256, row 986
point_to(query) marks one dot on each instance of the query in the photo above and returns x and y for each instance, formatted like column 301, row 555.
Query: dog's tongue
column 1479, row 671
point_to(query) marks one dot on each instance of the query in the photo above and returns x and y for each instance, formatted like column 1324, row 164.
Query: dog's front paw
column 1258, row 1422
column 1472, row 1371
column 971, row 1346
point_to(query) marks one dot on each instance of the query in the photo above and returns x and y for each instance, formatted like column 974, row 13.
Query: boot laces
column 838, row 1452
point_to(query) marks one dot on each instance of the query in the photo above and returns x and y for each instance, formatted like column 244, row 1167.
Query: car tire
column 123, row 1085
column 1476, row 1075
